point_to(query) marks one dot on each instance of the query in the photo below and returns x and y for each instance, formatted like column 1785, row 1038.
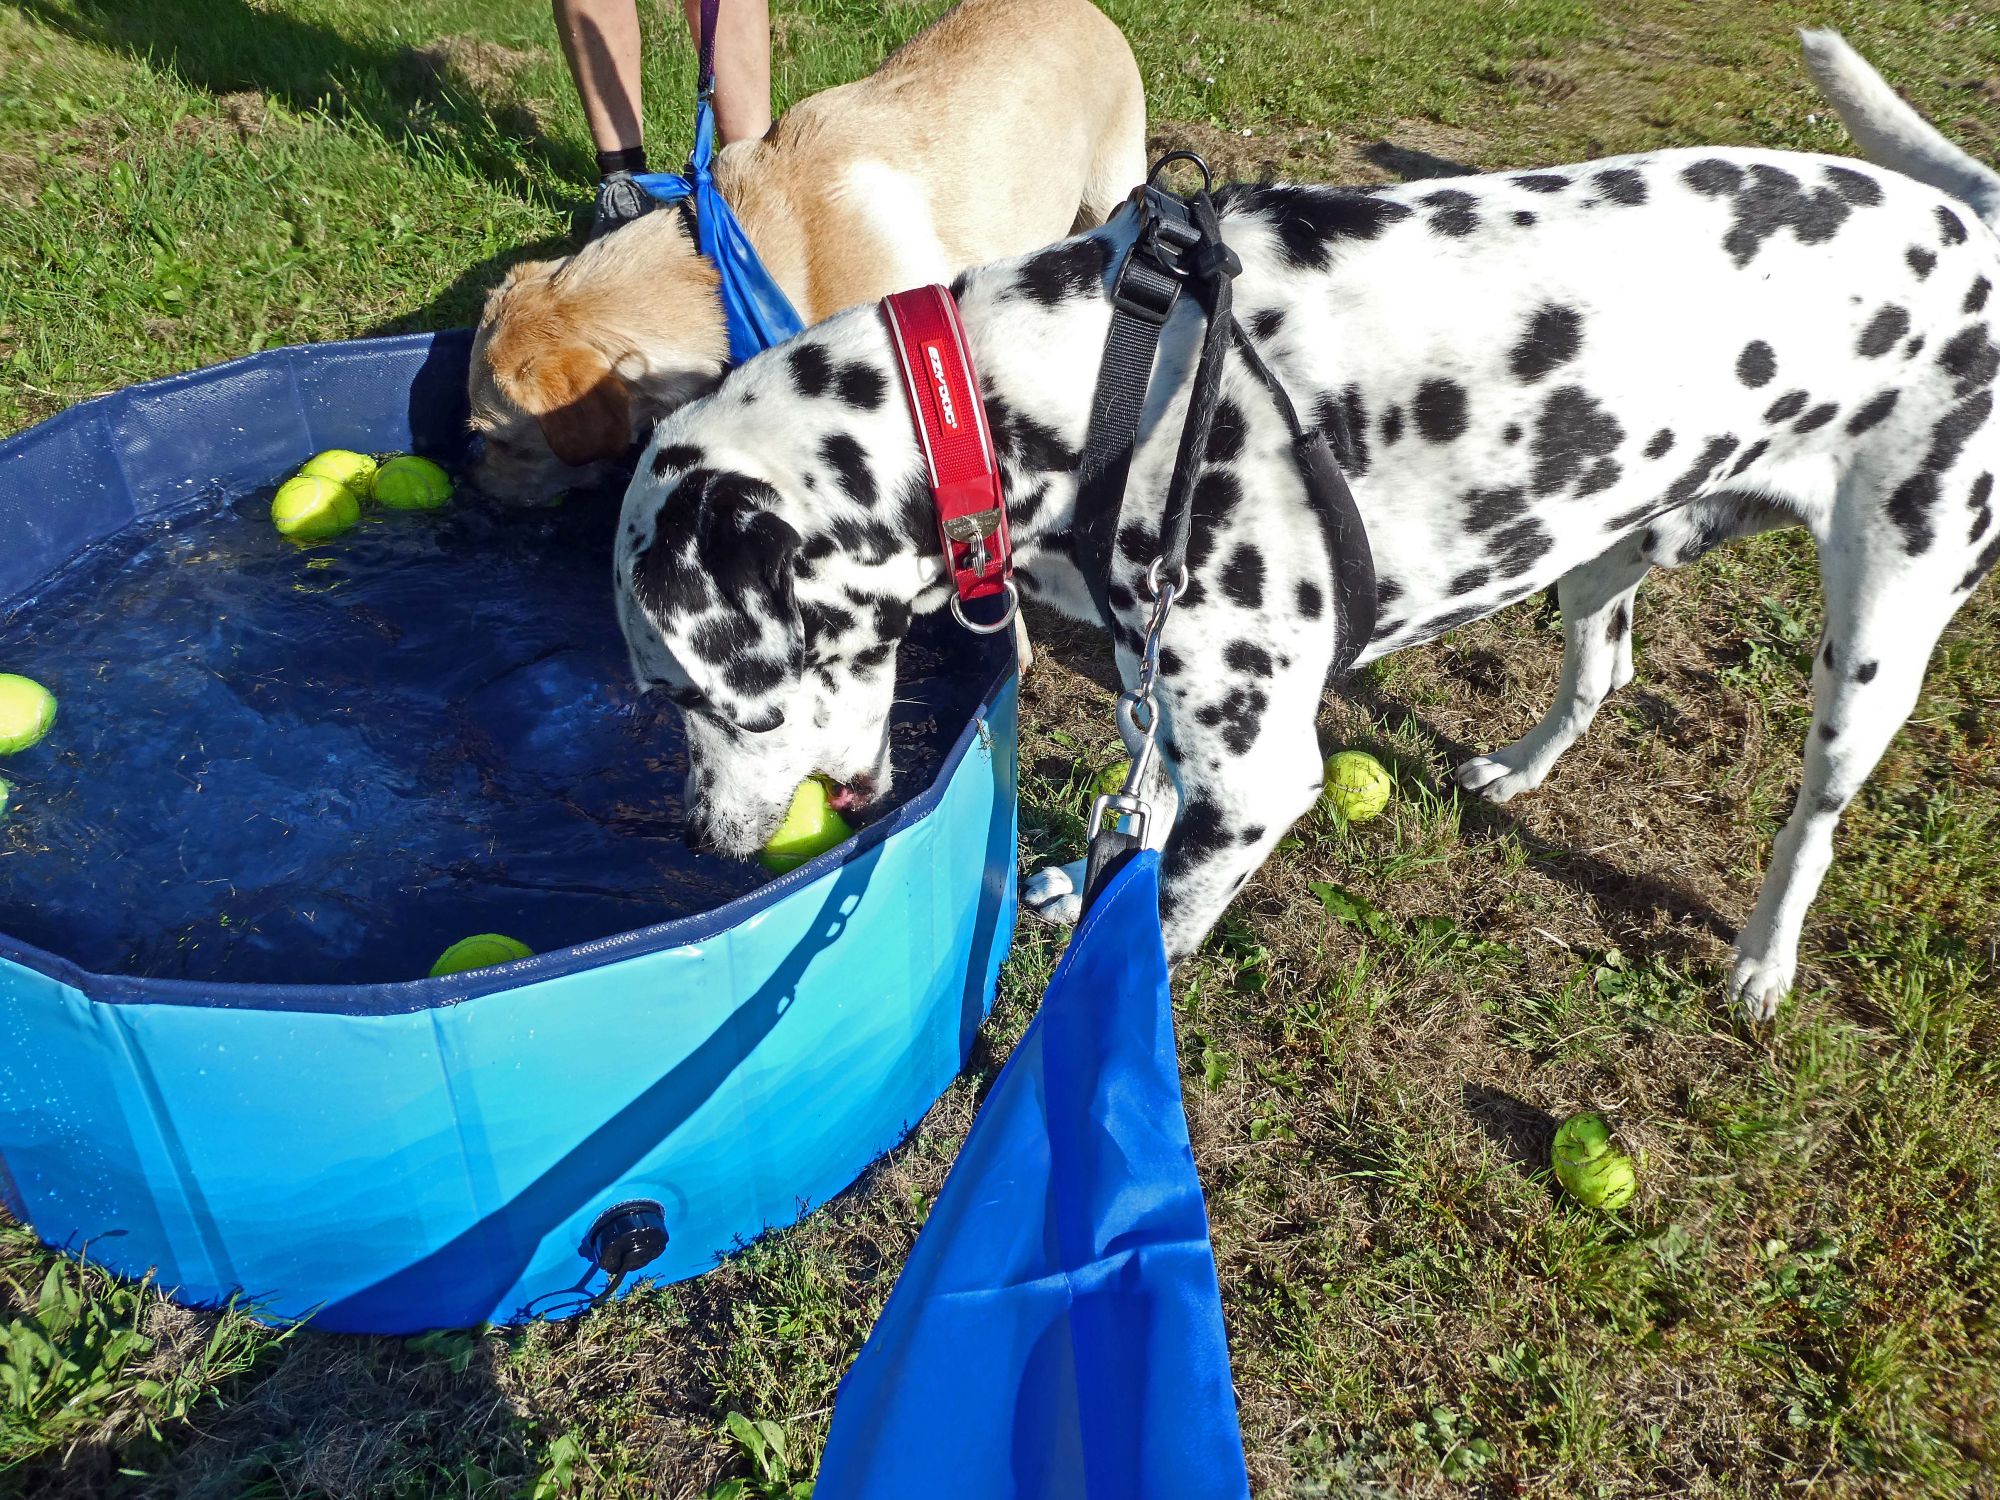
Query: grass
column 1805, row 1297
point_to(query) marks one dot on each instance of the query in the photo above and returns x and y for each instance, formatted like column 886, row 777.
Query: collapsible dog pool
column 283, row 779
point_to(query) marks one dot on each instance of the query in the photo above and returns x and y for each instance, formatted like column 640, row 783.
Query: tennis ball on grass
column 812, row 826
column 27, row 710
column 1587, row 1165
column 1357, row 788
column 407, row 482
column 1110, row 781
column 481, row 951
column 342, row 466
column 309, row 508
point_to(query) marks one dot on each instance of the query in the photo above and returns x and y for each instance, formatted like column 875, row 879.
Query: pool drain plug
column 623, row 1240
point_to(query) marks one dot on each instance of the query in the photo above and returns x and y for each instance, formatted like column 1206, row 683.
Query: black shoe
column 620, row 200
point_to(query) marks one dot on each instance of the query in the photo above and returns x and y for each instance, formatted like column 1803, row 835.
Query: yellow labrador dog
column 1005, row 125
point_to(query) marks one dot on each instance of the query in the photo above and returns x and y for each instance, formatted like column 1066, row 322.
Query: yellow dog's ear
column 584, row 409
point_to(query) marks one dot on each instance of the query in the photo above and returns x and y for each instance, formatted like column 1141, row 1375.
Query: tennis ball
column 342, row 466
column 812, row 826
column 1588, row 1167
column 481, row 951
column 27, row 710
column 310, row 508
column 407, row 482
column 1110, row 781
column 1357, row 788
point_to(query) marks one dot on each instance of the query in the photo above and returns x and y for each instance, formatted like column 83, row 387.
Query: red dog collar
column 943, row 389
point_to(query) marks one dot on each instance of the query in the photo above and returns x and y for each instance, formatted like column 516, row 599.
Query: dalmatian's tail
column 1891, row 133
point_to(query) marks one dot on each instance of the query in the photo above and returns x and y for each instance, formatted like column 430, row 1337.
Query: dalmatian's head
column 773, row 628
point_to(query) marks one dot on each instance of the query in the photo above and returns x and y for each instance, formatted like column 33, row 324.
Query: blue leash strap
column 755, row 308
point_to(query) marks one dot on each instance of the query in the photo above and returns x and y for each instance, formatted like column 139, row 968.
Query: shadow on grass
column 1524, row 1132
column 407, row 95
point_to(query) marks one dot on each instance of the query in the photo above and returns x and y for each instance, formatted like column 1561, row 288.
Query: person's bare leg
column 600, row 40
column 742, row 66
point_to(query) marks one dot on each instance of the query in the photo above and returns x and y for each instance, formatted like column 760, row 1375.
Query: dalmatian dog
column 1566, row 376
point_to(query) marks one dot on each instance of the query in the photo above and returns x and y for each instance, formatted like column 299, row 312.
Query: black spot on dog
column 1774, row 199
column 1660, row 442
column 1239, row 714
column 1756, row 364
column 1714, row 178
column 1750, row 455
column 812, row 371
column 1571, row 430
column 1517, row 548
column 1915, row 347
column 1981, row 566
column 1309, row 221
column 1243, row 576
column 1486, row 509
column 1199, row 833
column 1025, row 443
column 675, row 456
column 1696, row 474
column 1915, row 498
column 1786, row 406
column 1622, row 185
column 1872, row 412
column 1951, row 226
column 1884, row 331
column 1439, row 410
column 1553, row 337
column 959, row 283
column 1828, row 733
column 1921, row 261
column 1468, row 582
column 1345, row 423
column 1216, row 497
column 1171, row 664
column 1248, row 658
column 1225, row 433
column 1511, row 433
column 841, row 453
column 861, row 387
column 1599, row 476
column 1074, row 268
column 1975, row 297
column 1970, row 358
column 1855, row 187
column 1392, row 425
column 1542, row 182
column 1827, row 803
column 1818, row 417
column 1525, row 219
column 1265, row 323
column 1453, row 212
column 1826, row 657
column 1618, row 624
column 1866, row 671
column 1311, row 602
column 1387, row 592
column 726, row 637
column 823, row 622
column 1978, row 503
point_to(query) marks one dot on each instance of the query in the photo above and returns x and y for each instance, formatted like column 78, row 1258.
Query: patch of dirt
column 481, row 67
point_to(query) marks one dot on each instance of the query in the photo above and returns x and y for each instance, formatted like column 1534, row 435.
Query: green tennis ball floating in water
column 311, row 508
column 1590, row 1169
column 342, row 466
column 480, row 951
column 27, row 712
column 1357, row 787
column 407, row 482
column 812, row 826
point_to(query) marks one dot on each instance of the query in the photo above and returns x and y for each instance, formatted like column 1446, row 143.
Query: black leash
column 1180, row 248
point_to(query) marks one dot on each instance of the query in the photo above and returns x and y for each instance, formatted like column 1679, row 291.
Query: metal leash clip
column 1119, row 820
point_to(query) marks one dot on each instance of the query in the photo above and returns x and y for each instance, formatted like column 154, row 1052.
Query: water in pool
column 324, row 765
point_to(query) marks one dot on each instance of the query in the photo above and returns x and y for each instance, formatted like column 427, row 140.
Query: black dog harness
column 1180, row 248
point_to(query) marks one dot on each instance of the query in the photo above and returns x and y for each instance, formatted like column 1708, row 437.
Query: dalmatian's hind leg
column 1884, row 613
column 1597, row 660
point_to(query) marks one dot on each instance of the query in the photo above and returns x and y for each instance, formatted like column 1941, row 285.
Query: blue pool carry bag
column 1057, row 1330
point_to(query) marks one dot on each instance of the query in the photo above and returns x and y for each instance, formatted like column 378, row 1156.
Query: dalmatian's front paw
column 1491, row 777
column 1759, row 985
column 1054, row 895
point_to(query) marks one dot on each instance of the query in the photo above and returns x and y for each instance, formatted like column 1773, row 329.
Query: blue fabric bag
column 758, row 312
column 1057, row 1331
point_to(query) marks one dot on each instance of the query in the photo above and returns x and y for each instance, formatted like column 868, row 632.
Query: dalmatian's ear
column 717, row 585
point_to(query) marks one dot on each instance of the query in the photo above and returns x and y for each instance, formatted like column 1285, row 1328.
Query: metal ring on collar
column 1006, row 618
column 1153, row 579
column 1207, row 177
